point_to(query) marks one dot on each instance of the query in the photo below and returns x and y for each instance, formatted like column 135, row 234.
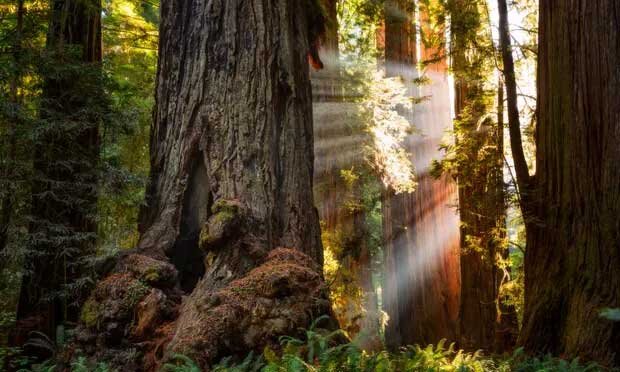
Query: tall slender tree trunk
column 421, row 291
column 573, row 249
column 507, row 322
column 514, row 121
column 400, row 59
column 524, row 182
column 481, row 189
column 66, row 154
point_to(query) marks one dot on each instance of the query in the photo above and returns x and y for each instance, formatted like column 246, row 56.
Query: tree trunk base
column 139, row 308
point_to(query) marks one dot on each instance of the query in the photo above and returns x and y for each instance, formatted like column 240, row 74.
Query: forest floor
column 315, row 351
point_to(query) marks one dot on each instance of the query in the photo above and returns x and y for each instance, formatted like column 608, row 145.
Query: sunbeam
column 408, row 119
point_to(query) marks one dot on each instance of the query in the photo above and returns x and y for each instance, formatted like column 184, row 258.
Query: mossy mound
column 111, row 305
column 128, row 307
column 277, row 298
column 151, row 271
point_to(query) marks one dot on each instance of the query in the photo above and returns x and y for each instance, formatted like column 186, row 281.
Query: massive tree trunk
column 573, row 249
column 231, row 182
column 421, row 291
column 66, row 154
column 207, row 147
column 482, row 204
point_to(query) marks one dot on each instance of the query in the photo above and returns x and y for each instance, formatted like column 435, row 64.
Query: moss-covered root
column 276, row 298
column 112, row 304
column 128, row 308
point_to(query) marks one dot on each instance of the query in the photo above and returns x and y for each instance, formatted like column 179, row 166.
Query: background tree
column 66, row 157
column 130, row 37
column 400, row 59
column 421, row 291
column 477, row 159
column 18, row 45
column 343, row 182
column 12, row 120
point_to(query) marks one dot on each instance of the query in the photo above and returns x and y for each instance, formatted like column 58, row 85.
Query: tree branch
column 514, row 122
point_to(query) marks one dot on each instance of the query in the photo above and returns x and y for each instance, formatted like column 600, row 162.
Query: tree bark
column 66, row 154
column 206, row 147
column 573, row 254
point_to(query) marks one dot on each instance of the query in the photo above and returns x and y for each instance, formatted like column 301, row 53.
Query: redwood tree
column 400, row 57
column 233, row 121
column 571, row 206
column 207, row 147
column 421, row 291
column 231, row 181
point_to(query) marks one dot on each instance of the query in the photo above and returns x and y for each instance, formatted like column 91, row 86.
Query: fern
column 40, row 340
column 181, row 363
column 251, row 363
column 313, row 353
column 611, row 314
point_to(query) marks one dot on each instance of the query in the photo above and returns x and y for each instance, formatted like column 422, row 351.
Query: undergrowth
column 316, row 351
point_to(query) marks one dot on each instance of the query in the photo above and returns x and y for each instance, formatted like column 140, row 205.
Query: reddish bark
column 421, row 293
column 573, row 231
